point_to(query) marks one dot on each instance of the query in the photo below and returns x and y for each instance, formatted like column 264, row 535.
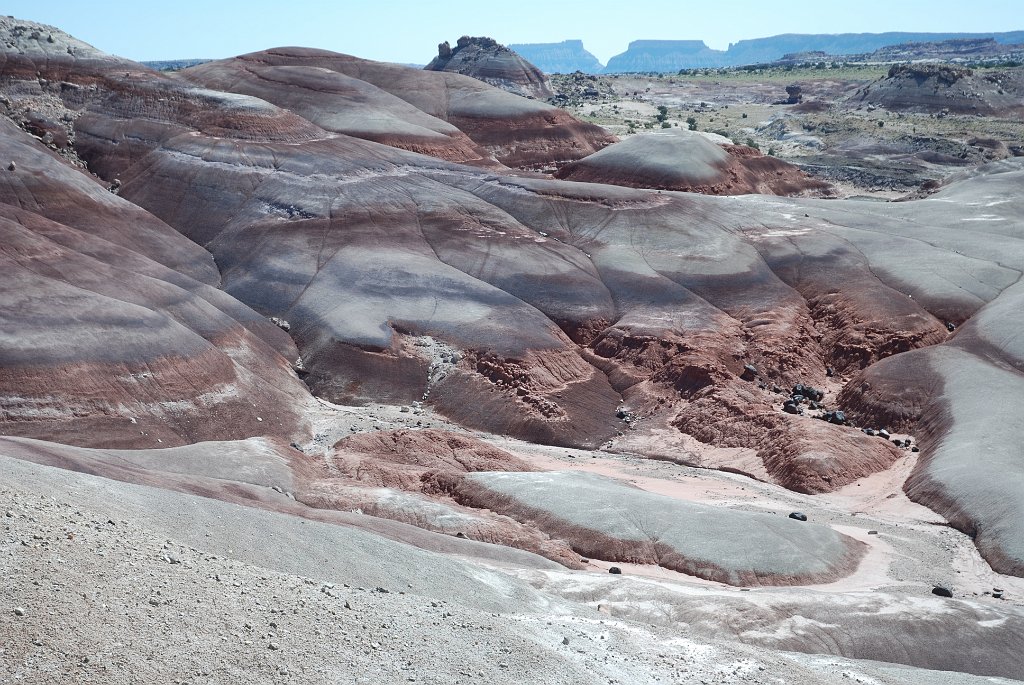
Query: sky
column 408, row 31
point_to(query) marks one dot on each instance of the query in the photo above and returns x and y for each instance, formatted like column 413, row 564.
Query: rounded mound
column 687, row 161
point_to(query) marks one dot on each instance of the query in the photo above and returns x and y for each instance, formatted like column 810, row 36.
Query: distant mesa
column 673, row 55
column 687, row 161
column 665, row 56
column 559, row 58
column 485, row 59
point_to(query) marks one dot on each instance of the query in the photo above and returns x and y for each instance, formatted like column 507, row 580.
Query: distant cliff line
column 673, row 55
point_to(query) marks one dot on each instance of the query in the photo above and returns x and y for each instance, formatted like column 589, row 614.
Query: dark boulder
column 808, row 392
column 837, row 417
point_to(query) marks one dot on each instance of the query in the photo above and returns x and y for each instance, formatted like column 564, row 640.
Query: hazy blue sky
column 409, row 30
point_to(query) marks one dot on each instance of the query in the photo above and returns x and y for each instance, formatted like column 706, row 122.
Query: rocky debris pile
column 43, row 114
column 884, row 434
column 974, row 50
column 485, row 59
column 942, row 74
column 803, row 398
column 803, row 57
column 577, row 88
column 803, row 394
column 944, row 89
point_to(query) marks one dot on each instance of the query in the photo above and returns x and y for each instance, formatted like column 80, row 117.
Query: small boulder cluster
column 804, row 394
column 627, row 415
column 886, row 435
column 806, row 397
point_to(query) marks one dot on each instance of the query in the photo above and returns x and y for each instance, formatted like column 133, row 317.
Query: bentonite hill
column 315, row 369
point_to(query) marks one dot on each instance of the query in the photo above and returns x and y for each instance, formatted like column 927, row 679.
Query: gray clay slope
column 735, row 547
column 672, row 158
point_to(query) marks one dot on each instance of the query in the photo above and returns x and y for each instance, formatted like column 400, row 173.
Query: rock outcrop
column 946, row 50
column 484, row 59
column 942, row 88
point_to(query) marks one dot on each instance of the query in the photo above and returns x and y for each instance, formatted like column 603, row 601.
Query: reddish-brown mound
column 145, row 355
column 516, row 131
column 800, row 453
column 415, row 459
column 410, row 475
column 342, row 104
column 752, row 172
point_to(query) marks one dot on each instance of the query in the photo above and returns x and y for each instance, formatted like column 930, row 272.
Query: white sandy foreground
column 107, row 582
